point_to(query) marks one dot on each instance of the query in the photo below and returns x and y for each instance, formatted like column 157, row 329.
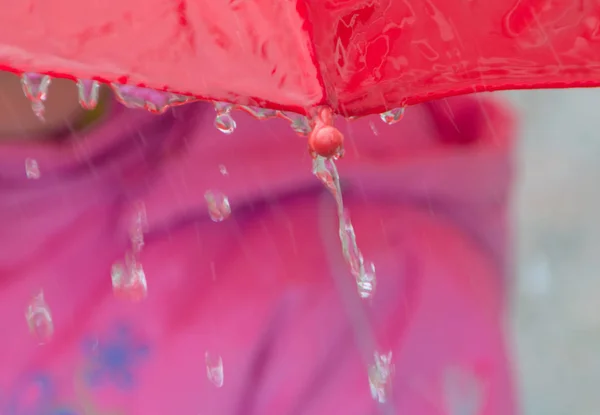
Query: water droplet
column 299, row 123
column 156, row 102
column 89, row 92
column 35, row 88
column 218, row 206
column 39, row 319
column 214, row 369
column 223, row 121
column 32, row 170
column 223, row 170
column 139, row 226
column 392, row 116
column 260, row 113
column 380, row 376
column 463, row 392
column 129, row 279
column 373, row 128
column 363, row 272
column 366, row 280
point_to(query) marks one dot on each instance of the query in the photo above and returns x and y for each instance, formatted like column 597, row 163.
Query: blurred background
column 556, row 308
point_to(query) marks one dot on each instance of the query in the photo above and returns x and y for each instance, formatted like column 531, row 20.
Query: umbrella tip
column 325, row 140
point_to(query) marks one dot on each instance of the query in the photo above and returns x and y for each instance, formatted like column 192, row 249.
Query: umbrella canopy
column 356, row 56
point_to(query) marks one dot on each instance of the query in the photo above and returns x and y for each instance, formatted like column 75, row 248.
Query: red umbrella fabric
column 356, row 56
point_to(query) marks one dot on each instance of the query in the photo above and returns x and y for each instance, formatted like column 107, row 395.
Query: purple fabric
column 267, row 289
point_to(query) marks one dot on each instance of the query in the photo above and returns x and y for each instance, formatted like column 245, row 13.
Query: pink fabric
column 267, row 289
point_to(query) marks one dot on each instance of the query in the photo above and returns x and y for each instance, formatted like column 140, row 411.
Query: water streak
column 128, row 276
column 259, row 113
column 156, row 102
column 380, row 375
column 363, row 272
column 299, row 123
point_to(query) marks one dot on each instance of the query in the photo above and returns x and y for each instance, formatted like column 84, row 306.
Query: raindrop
column 380, row 376
column 392, row 116
column 365, row 280
column 214, row 369
column 39, row 319
column 35, row 88
column 138, row 227
column 218, row 206
column 373, row 128
column 259, row 113
column 129, row 279
column 364, row 273
column 463, row 392
column 223, row 121
column 32, row 170
column 299, row 123
column 157, row 102
column 89, row 92
column 223, row 170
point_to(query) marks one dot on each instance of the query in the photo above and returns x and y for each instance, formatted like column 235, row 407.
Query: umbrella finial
column 325, row 140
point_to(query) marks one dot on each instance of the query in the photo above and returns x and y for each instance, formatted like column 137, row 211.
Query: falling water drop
column 223, row 170
column 156, row 102
column 39, row 319
column 380, row 376
column 218, row 206
column 214, row 369
column 128, row 279
column 392, row 116
column 32, row 170
column 364, row 273
column 89, row 92
column 373, row 128
column 224, row 121
column 35, row 88
column 365, row 280
column 139, row 226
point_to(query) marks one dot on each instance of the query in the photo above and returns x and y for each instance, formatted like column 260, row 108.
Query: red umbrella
column 356, row 56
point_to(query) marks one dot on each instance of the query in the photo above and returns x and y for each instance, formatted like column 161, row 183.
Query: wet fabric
column 267, row 289
column 357, row 56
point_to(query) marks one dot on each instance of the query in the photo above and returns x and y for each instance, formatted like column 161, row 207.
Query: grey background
column 556, row 313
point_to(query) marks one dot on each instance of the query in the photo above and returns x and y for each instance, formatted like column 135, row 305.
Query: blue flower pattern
column 114, row 360
column 40, row 386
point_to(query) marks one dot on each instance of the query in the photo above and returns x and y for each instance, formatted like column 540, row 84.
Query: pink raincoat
column 266, row 291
